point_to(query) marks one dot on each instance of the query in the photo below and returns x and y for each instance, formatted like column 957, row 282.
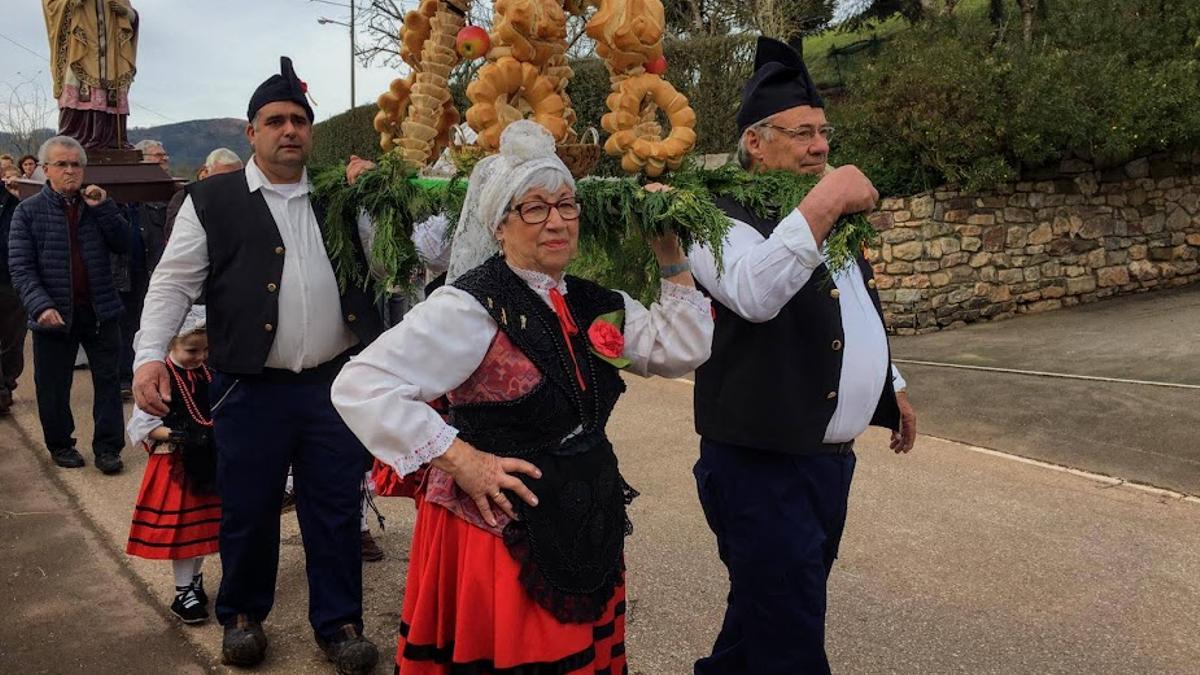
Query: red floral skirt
column 465, row 612
column 170, row 522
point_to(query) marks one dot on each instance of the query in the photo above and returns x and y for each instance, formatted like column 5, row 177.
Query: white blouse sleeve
column 673, row 336
column 382, row 392
column 140, row 425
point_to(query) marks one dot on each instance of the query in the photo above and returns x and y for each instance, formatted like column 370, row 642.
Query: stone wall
column 948, row 258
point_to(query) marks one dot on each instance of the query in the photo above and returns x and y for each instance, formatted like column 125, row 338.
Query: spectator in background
column 59, row 250
column 6, row 160
column 28, row 166
column 219, row 161
column 12, row 314
column 147, row 240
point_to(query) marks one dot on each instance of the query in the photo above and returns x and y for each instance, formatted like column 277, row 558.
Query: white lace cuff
column 673, row 292
column 426, row 452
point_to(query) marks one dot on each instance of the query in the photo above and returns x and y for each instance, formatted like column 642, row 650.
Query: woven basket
column 581, row 158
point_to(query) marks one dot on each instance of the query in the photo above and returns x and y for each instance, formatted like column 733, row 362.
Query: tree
column 28, row 116
column 787, row 20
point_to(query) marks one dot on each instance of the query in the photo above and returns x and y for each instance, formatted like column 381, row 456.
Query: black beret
column 780, row 82
column 282, row 87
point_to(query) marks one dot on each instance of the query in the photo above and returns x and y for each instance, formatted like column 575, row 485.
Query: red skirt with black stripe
column 465, row 612
column 170, row 522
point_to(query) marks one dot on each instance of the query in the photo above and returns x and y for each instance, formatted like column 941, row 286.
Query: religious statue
column 93, row 47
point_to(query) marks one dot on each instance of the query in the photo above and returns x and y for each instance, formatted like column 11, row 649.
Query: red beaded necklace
column 185, row 389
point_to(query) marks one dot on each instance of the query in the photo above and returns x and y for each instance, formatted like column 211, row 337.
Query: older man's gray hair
column 222, row 156
column 764, row 131
column 148, row 144
column 62, row 142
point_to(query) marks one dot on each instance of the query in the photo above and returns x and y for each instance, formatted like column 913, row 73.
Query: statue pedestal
column 123, row 175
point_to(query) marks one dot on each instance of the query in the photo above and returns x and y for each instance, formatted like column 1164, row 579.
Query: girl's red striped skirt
column 170, row 522
column 466, row 613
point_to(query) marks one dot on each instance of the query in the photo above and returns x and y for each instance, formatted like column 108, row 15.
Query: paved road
column 954, row 561
column 1132, row 431
column 69, row 602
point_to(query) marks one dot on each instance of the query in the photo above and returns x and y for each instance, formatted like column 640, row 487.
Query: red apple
column 657, row 66
column 473, row 42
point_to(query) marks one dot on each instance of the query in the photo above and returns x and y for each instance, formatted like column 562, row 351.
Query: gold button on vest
column 870, row 283
column 351, row 318
column 837, row 345
column 271, row 288
column 269, row 328
column 835, row 294
column 279, row 250
column 831, row 395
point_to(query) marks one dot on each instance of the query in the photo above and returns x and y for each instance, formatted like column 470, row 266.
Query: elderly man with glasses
column 59, row 252
column 800, row 367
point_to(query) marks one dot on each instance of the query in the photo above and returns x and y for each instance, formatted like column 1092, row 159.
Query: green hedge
column 1103, row 80
column 351, row 133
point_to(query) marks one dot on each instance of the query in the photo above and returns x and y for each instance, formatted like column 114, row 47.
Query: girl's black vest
column 773, row 385
column 197, row 452
column 570, row 546
column 245, row 254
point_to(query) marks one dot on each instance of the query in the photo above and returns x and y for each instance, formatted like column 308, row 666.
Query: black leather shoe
column 109, row 463
column 67, row 458
column 350, row 652
column 245, row 643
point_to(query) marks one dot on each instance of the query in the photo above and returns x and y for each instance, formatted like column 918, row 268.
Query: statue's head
column 63, row 160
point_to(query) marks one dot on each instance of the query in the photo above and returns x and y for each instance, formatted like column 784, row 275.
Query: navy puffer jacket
column 39, row 255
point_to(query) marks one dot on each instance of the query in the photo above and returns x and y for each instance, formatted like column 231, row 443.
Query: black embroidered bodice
column 571, row 545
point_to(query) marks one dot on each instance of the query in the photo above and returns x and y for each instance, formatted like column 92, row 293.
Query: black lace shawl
column 570, row 547
column 197, row 453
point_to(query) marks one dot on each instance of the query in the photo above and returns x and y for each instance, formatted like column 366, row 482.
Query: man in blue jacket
column 59, row 250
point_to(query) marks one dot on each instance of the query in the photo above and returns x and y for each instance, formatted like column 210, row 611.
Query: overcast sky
column 200, row 59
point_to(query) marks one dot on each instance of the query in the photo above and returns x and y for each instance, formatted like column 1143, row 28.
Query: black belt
column 322, row 374
column 835, row 448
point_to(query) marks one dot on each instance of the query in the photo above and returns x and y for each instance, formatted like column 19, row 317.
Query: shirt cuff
column 689, row 295
column 898, row 382
column 797, row 236
column 427, row 451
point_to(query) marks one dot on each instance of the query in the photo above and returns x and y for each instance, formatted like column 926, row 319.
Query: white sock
column 196, row 569
column 184, row 571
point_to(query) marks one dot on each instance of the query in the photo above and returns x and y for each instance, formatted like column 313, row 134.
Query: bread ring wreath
column 507, row 90
column 630, row 104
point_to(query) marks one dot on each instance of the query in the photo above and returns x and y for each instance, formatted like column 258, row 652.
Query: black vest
column 773, row 385
column 570, row 547
column 245, row 253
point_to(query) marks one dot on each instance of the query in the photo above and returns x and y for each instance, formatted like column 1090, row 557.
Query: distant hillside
column 190, row 142
column 187, row 142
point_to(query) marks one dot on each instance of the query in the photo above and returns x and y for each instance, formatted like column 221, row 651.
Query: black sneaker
column 245, row 642
column 350, row 652
column 198, row 589
column 109, row 463
column 67, row 458
column 188, row 608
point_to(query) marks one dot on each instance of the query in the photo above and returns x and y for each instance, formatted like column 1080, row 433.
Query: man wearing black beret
column 800, row 367
column 279, row 330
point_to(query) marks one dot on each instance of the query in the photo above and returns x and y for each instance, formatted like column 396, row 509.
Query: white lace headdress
column 525, row 148
column 196, row 319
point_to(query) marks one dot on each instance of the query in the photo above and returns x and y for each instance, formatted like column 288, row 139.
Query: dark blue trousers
column 54, row 371
column 261, row 427
column 778, row 520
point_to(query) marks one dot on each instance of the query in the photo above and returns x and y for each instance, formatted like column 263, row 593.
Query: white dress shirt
column 310, row 329
column 381, row 393
column 761, row 275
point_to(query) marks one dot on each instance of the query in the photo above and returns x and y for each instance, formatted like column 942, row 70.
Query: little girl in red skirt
column 178, row 514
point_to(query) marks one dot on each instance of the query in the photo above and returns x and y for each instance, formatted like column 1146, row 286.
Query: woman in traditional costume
column 517, row 556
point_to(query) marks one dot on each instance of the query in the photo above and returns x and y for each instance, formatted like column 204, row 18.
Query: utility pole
column 353, row 53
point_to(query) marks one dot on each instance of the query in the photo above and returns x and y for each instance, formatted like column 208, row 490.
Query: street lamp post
column 353, row 48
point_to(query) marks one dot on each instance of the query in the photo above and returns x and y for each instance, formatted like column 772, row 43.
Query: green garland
column 617, row 217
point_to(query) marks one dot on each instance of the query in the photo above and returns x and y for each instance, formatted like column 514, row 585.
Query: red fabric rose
column 606, row 339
